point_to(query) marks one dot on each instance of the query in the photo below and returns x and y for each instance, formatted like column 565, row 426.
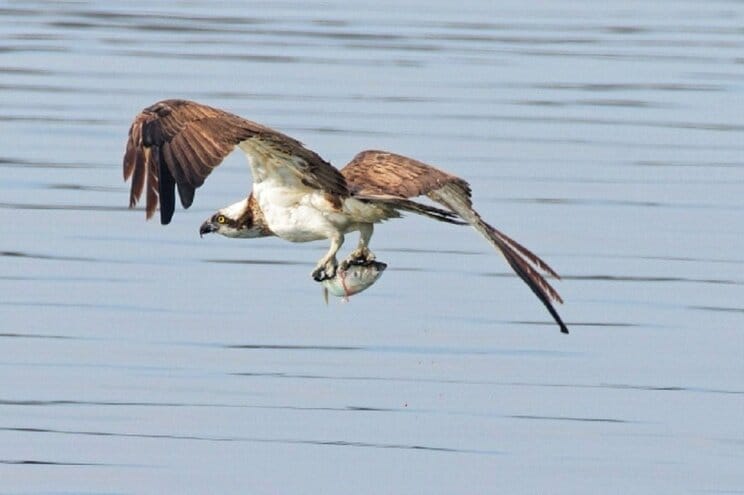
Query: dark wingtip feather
column 167, row 189
column 516, row 255
column 533, row 279
column 535, row 259
column 186, row 193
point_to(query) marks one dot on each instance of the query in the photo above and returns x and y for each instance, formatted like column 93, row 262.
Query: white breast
column 292, row 210
column 295, row 215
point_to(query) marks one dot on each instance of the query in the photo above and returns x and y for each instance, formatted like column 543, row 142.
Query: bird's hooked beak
column 206, row 228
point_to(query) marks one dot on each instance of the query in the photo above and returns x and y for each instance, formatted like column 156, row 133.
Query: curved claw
column 360, row 256
column 325, row 271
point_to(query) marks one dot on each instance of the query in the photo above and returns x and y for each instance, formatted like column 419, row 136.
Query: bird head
column 236, row 220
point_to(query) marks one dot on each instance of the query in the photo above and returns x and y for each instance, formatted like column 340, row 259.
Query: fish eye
column 221, row 219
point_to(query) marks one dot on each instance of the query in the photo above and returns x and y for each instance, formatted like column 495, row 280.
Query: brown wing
column 381, row 173
column 177, row 143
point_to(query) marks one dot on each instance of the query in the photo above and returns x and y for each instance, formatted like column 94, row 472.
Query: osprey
column 298, row 196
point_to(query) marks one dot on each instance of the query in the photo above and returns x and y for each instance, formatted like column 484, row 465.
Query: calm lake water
column 605, row 136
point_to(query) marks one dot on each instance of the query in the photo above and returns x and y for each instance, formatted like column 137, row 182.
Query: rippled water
column 605, row 136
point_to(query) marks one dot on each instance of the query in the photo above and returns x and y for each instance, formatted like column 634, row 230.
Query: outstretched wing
column 177, row 143
column 381, row 173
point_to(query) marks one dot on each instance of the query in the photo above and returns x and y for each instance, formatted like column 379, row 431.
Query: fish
column 355, row 278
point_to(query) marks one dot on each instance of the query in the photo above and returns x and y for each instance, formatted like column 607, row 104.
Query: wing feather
column 166, row 183
column 186, row 140
column 132, row 152
column 153, row 186
column 138, row 178
column 188, row 163
column 454, row 199
column 167, row 158
column 382, row 174
column 203, row 148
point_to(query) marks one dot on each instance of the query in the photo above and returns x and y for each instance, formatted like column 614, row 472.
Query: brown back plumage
column 177, row 143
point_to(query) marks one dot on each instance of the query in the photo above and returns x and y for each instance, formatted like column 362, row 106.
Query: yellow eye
column 221, row 219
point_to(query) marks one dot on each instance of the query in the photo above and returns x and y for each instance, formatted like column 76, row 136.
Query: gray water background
column 605, row 136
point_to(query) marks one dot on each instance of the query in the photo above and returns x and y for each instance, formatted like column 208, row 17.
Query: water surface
column 607, row 137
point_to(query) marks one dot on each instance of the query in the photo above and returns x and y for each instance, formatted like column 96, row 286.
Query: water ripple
column 287, row 441
column 652, row 388
column 44, row 206
column 29, row 462
column 563, row 418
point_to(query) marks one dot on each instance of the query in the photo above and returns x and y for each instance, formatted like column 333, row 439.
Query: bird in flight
column 298, row 196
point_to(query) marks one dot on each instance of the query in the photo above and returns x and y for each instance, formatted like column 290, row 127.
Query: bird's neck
column 255, row 215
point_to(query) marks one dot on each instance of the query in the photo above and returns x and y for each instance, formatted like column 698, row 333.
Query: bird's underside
column 298, row 196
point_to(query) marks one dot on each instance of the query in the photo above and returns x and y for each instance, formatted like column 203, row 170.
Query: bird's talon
column 325, row 272
column 360, row 256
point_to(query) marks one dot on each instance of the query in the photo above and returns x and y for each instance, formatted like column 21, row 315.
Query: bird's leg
column 326, row 267
column 361, row 254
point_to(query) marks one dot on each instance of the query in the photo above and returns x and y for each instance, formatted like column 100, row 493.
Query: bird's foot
column 360, row 256
column 325, row 271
